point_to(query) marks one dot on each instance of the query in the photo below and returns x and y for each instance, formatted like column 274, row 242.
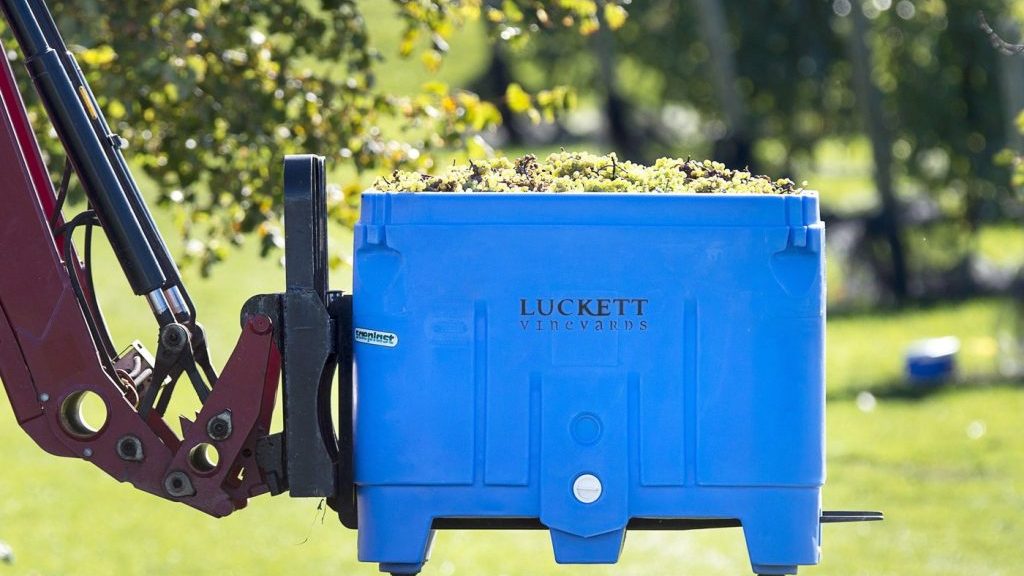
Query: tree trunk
column 735, row 147
column 620, row 130
column 492, row 85
column 1011, row 78
column 869, row 99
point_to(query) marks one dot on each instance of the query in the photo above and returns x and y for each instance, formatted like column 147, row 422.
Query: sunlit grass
column 952, row 494
column 946, row 467
column 1003, row 245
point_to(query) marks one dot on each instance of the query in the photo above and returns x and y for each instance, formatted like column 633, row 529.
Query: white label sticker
column 376, row 337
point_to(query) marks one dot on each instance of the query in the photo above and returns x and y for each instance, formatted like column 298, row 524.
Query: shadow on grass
column 900, row 389
column 842, row 311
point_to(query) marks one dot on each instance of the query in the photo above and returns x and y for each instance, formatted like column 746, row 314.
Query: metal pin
column 157, row 302
column 177, row 303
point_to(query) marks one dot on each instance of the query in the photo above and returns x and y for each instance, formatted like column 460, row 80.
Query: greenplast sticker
column 376, row 337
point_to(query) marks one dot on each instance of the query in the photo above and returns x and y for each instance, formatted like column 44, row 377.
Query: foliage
column 211, row 94
column 792, row 75
column 939, row 77
column 935, row 62
column 585, row 172
column 1015, row 159
column 788, row 71
column 952, row 497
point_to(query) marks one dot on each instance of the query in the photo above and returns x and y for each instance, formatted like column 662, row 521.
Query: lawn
column 946, row 468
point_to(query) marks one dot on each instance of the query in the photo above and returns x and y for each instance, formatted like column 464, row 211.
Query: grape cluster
column 585, row 172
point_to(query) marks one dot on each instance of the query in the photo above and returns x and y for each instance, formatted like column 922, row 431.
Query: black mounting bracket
column 313, row 328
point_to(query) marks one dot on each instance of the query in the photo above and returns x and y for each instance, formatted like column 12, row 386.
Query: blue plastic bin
column 586, row 359
column 932, row 362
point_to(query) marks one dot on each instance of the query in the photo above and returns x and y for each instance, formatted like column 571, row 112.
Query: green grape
column 585, row 172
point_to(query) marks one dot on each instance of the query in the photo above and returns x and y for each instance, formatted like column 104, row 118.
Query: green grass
column 865, row 351
column 953, row 498
column 841, row 172
column 953, row 501
column 1002, row 245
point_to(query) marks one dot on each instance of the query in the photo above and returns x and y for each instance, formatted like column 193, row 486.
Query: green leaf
column 512, row 12
column 435, row 87
column 212, row 94
column 615, row 16
column 517, row 99
column 432, row 60
column 98, row 56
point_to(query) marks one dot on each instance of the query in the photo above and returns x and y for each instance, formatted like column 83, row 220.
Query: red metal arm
column 48, row 357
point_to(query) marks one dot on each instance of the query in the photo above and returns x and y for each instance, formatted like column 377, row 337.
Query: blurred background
column 905, row 115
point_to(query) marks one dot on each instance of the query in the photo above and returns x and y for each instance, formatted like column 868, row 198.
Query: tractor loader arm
column 56, row 353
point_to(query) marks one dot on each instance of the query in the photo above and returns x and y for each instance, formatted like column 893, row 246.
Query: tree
column 937, row 87
column 735, row 146
column 870, row 99
column 1011, row 156
column 211, row 94
column 788, row 75
column 933, row 62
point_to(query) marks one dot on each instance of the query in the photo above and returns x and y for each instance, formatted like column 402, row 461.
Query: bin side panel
column 760, row 393
column 416, row 390
column 662, row 426
column 726, row 353
column 509, row 420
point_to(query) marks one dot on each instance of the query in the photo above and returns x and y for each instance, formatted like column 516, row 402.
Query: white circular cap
column 587, row 488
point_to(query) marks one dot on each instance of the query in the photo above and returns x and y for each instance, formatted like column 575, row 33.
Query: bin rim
column 590, row 208
column 490, row 194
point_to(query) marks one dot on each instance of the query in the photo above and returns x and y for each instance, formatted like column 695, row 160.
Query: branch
column 998, row 43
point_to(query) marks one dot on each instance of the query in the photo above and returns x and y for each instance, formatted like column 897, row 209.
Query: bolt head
column 174, row 336
column 219, row 427
column 261, row 324
column 178, row 485
column 129, row 449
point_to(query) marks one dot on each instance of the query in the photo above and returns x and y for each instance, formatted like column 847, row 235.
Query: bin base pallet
column 672, row 524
